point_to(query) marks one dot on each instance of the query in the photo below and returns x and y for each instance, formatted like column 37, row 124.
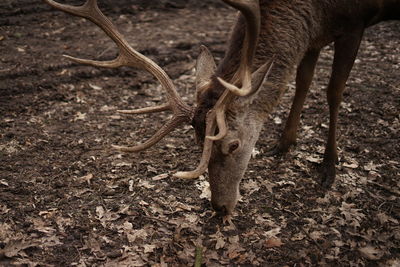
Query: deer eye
column 233, row 146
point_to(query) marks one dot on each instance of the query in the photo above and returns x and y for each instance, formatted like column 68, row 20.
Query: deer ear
column 260, row 76
column 205, row 68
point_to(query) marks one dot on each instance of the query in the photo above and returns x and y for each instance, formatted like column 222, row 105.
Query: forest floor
column 68, row 199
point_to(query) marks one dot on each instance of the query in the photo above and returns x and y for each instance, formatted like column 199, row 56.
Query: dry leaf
column 204, row 187
column 100, row 212
column 80, row 116
column 95, row 87
column 273, row 242
column 86, row 178
column 160, row 177
column 272, row 233
column 220, row 243
column 313, row 159
column 149, row 248
column 371, row 253
column 353, row 165
column 146, row 184
column 316, row 235
column 220, row 238
column 251, row 186
column 134, row 235
column 351, row 214
column 15, row 247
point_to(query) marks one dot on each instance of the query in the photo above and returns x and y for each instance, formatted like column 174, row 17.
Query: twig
column 385, row 188
column 199, row 257
column 159, row 220
column 310, row 238
column 305, row 232
column 8, row 69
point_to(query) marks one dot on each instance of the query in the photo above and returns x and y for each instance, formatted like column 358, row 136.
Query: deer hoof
column 277, row 150
column 327, row 173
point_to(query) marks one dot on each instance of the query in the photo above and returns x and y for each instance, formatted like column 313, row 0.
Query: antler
column 221, row 106
column 216, row 116
column 250, row 9
column 128, row 56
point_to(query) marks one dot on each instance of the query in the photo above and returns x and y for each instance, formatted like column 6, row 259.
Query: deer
column 270, row 42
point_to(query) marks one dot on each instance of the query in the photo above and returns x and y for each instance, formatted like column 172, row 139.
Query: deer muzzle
column 224, row 186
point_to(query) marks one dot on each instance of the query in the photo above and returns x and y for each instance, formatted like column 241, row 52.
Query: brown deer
column 270, row 40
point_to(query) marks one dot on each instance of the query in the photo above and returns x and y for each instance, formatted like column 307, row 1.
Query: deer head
column 225, row 123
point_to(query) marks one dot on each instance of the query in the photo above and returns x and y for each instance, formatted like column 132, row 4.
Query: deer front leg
column 346, row 49
column 305, row 73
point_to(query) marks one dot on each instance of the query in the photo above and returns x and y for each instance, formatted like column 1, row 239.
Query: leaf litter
column 67, row 199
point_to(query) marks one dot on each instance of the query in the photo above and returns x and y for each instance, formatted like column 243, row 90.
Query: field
column 68, row 199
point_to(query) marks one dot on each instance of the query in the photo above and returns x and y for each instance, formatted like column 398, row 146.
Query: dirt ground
column 68, row 199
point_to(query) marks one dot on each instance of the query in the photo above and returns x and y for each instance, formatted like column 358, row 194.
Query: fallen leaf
column 316, row 235
column 371, row 253
column 298, row 237
column 250, row 186
column 86, row 178
column 353, row 165
column 338, row 243
column 220, row 243
column 115, row 117
column 145, row 184
column 220, row 238
column 80, row 116
column 273, row 242
column 277, row 120
column 149, row 248
column 352, row 215
column 371, row 166
column 255, row 153
column 273, row 232
column 133, row 235
column 313, row 159
column 95, row 87
column 160, row 177
column 15, row 247
column 204, row 187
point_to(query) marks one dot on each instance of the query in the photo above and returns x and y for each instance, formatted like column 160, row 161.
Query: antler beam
column 132, row 58
column 250, row 9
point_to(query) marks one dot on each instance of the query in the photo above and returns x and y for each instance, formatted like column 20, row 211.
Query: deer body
column 270, row 41
column 293, row 32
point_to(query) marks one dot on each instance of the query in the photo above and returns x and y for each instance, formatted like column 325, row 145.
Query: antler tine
column 221, row 106
column 219, row 115
column 215, row 117
column 159, row 108
column 207, row 148
column 131, row 58
column 163, row 131
column 250, row 9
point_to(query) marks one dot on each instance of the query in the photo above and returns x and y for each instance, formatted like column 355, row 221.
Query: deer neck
column 285, row 41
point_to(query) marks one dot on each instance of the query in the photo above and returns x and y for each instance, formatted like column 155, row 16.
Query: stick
column 199, row 257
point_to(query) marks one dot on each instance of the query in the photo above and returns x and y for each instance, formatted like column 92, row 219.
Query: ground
column 68, row 199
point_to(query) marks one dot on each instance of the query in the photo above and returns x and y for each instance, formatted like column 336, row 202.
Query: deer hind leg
column 346, row 49
column 305, row 73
